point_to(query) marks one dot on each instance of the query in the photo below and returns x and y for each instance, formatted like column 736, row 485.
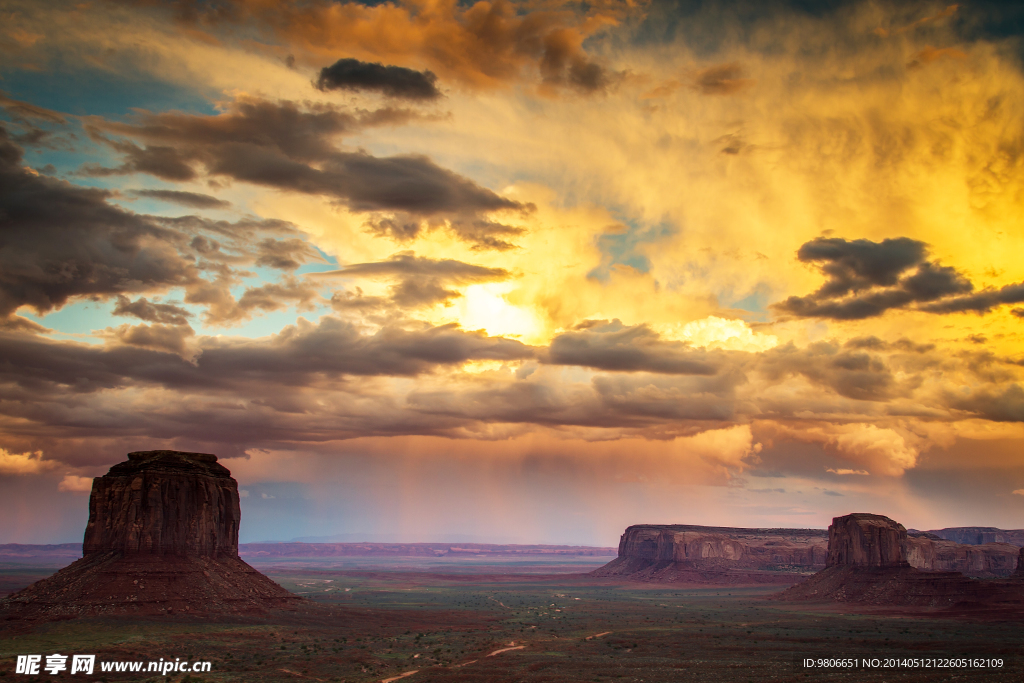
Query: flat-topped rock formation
column 868, row 565
column 164, row 503
column 162, row 538
column 677, row 552
column 866, row 540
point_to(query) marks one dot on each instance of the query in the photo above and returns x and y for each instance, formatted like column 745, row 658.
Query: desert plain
column 529, row 619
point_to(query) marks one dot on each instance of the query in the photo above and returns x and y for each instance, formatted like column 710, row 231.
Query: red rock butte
column 162, row 538
column 866, row 540
column 164, row 503
column 867, row 565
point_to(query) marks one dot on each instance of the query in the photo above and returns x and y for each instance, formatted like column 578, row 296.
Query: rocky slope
column 162, row 538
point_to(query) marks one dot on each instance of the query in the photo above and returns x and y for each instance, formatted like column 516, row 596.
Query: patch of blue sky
column 77, row 319
column 626, row 247
column 755, row 302
column 329, row 263
column 264, row 324
column 71, row 89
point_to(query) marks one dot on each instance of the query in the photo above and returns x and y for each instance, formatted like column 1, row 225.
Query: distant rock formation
column 676, row 552
column 162, row 538
column 867, row 565
column 298, row 549
column 931, row 553
column 704, row 554
column 1019, row 574
column 980, row 535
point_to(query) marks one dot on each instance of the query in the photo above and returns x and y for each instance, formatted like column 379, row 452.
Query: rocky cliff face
column 1019, row 574
column 936, row 554
column 655, row 552
column 162, row 538
column 164, row 503
column 865, row 540
column 663, row 552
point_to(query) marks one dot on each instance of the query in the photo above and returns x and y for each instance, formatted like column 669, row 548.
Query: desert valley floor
column 493, row 621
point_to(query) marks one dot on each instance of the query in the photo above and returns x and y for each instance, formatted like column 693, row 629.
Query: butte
column 162, row 538
column 867, row 565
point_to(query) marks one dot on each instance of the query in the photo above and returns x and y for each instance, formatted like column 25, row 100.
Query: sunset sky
column 515, row 271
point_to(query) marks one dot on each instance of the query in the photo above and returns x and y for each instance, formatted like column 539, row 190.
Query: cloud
column 155, row 313
column 76, row 484
column 479, row 45
column 1019, row 492
column 393, row 81
column 723, row 79
column 286, row 254
column 843, row 471
column 421, row 281
column 24, row 463
column 999, row 404
column 865, row 279
column 291, row 147
column 23, row 110
column 851, row 373
column 613, row 346
column 177, row 339
column 194, row 200
column 62, row 241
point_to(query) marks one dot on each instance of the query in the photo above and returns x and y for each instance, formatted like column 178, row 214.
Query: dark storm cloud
column 61, row 241
column 723, row 79
column 194, row 200
column 564, row 64
column 653, row 399
column 850, row 372
column 865, row 279
column 611, row 345
column 393, row 81
column 155, row 313
column 287, row 147
column 980, row 302
column 1000, row 404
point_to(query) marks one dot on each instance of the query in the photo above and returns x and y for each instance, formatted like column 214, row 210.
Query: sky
column 515, row 272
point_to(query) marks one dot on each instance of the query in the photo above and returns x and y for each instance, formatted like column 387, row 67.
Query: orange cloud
column 483, row 45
